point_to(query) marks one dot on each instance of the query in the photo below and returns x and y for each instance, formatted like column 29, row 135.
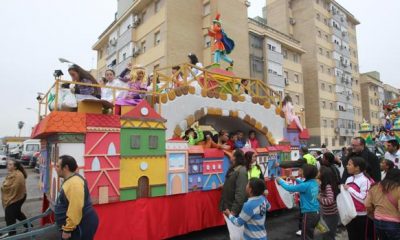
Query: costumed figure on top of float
column 136, row 84
column 223, row 45
column 290, row 116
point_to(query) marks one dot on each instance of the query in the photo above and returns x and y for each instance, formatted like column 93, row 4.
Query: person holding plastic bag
column 358, row 186
column 309, row 204
column 383, row 203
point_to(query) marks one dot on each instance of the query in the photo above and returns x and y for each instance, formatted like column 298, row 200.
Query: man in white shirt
column 393, row 153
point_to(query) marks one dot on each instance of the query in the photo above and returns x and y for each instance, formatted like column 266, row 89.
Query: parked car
column 29, row 148
column 15, row 152
column 3, row 160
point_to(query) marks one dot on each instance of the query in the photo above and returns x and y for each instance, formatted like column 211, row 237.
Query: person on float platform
column 78, row 74
column 307, row 156
column 107, row 93
column 73, row 212
column 194, row 61
column 393, row 152
column 254, row 211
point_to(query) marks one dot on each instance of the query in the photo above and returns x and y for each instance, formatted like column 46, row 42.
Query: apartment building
column 327, row 33
column 390, row 92
column 276, row 58
column 373, row 97
column 161, row 33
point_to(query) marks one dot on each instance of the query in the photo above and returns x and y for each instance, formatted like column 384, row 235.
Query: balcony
column 276, row 80
column 343, row 97
column 342, row 66
column 345, row 132
column 337, row 32
column 275, row 56
column 125, row 38
column 346, row 115
column 111, row 50
column 343, row 51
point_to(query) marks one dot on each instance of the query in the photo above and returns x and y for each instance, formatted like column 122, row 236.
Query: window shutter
column 153, row 142
column 135, row 141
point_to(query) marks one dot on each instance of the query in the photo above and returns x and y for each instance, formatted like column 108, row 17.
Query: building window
column 331, row 106
column 157, row 6
column 207, row 41
column 320, row 51
column 329, row 71
column 285, row 54
column 323, row 104
column 328, row 54
column 319, row 34
column 258, row 66
column 286, row 76
column 272, row 48
column 143, row 46
column 332, row 123
column 321, row 68
column 153, row 142
column 330, row 88
column 143, row 15
column 325, row 21
column 323, row 86
column 333, row 142
column 157, row 38
column 295, row 57
column 326, row 37
column 135, row 141
column 318, row 16
column 206, row 9
column 297, row 99
column 296, row 78
column 325, row 123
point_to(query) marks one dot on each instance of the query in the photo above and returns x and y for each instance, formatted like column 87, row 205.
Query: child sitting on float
column 287, row 108
column 193, row 136
column 135, row 85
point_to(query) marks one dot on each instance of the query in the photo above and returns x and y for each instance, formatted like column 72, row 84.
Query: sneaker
column 298, row 233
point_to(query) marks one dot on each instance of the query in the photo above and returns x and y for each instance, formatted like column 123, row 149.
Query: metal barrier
column 29, row 232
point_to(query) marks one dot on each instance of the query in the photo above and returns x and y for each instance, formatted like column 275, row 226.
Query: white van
column 29, row 148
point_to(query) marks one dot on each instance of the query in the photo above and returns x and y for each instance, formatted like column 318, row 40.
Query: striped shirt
column 252, row 217
column 328, row 201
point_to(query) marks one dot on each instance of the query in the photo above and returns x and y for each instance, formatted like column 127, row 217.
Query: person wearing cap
column 219, row 48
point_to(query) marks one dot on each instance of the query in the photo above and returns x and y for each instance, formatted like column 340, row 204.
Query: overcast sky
column 35, row 33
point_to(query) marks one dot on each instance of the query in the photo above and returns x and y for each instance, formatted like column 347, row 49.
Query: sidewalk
column 33, row 203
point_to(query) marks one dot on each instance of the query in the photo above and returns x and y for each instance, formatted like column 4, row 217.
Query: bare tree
column 20, row 126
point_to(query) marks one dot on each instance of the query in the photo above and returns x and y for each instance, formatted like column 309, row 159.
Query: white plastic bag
column 345, row 205
column 66, row 99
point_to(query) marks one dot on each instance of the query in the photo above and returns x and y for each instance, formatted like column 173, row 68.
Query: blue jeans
column 387, row 230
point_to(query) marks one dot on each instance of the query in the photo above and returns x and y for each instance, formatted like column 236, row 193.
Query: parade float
column 145, row 181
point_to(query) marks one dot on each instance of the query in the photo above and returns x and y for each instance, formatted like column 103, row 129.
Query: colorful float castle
column 139, row 154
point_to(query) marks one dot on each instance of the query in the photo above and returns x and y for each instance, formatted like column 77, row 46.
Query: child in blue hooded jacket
column 309, row 204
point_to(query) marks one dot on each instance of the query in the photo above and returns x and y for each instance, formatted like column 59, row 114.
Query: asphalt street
column 281, row 225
